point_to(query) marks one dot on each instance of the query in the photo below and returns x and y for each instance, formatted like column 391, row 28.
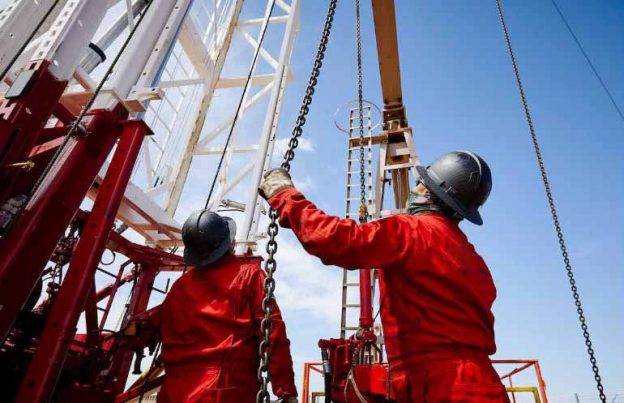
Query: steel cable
column 240, row 104
column 553, row 209
column 589, row 62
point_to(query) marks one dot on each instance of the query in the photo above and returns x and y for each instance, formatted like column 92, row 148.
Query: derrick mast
column 105, row 109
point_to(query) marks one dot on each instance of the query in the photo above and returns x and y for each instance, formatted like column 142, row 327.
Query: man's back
column 439, row 293
column 210, row 332
column 436, row 290
column 207, row 315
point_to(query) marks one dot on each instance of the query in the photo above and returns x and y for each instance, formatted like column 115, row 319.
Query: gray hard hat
column 207, row 237
column 462, row 180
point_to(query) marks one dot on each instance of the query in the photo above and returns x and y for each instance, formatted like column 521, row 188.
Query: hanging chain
column 363, row 213
column 553, row 210
column 270, row 266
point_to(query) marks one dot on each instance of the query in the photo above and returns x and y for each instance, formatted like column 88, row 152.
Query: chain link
column 270, row 266
column 363, row 215
column 553, row 210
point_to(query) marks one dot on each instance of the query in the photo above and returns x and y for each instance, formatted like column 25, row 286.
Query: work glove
column 274, row 182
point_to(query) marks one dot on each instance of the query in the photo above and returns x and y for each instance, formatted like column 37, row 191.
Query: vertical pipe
column 45, row 367
column 140, row 298
column 366, row 299
column 111, row 294
column 306, row 382
column 540, row 381
column 513, row 394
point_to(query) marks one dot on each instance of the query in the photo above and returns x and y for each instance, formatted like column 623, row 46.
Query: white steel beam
column 249, row 229
column 181, row 170
column 140, row 64
column 14, row 32
column 226, row 123
column 73, row 29
column 223, row 189
column 106, row 39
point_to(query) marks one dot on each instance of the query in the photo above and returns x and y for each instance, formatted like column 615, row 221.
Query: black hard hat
column 207, row 237
column 462, row 180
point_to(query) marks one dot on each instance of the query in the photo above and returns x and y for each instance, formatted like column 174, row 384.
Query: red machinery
column 46, row 172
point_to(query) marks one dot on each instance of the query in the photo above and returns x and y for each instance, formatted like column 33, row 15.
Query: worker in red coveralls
column 210, row 323
column 436, row 292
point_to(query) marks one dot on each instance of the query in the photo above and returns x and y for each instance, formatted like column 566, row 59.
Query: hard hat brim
column 194, row 258
column 471, row 215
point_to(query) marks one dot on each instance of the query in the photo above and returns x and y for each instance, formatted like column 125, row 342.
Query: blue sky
column 460, row 93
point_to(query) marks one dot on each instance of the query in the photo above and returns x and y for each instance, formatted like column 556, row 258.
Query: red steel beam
column 91, row 318
column 27, row 246
column 45, row 367
column 142, row 254
column 26, row 115
column 540, row 382
column 107, row 291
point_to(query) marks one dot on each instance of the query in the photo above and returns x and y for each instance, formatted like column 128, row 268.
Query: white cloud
column 305, row 285
column 281, row 145
column 305, row 184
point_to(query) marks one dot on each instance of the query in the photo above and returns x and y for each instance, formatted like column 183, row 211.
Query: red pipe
column 140, row 298
column 108, row 289
column 27, row 246
column 45, row 367
column 366, row 299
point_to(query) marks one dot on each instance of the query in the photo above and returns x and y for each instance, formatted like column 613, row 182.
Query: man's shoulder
column 249, row 266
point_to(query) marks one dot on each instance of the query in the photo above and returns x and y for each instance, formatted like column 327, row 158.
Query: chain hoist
column 553, row 209
column 270, row 266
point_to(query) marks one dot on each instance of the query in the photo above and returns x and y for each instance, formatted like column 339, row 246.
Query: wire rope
column 553, row 209
column 589, row 62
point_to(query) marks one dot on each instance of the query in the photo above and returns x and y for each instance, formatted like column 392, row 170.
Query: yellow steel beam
column 389, row 69
column 529, row 389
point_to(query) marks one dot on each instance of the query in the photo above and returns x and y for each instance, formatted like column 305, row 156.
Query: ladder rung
column 352, row 284
column 352, row 305
column 348, row 328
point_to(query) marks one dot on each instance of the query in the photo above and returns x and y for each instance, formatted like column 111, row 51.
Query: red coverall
column 436, row 295
column 210, row 327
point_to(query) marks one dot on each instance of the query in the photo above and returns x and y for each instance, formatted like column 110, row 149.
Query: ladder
column 350, row 279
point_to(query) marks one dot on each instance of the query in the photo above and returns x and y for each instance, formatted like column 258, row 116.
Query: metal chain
column 553, row 210
column 270, row 266
column 363, row 214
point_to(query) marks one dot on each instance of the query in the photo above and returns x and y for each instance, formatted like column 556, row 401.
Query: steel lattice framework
column 161, row 114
